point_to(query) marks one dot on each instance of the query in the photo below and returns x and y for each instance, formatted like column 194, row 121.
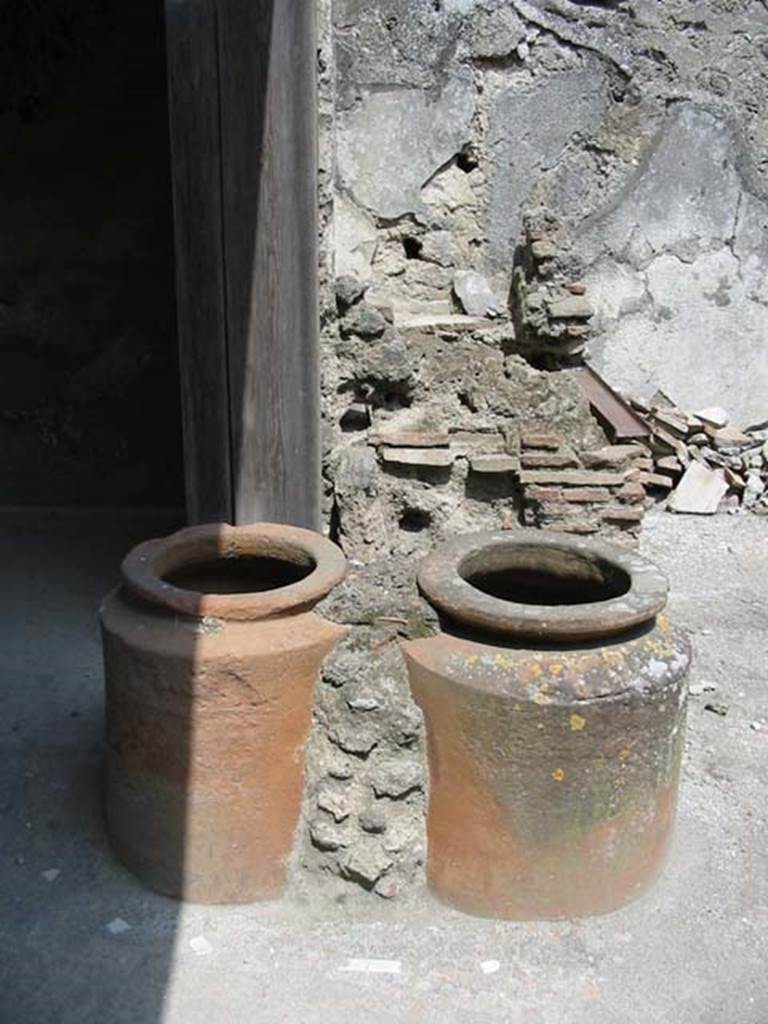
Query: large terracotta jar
column 554, row 701
column 211, row 652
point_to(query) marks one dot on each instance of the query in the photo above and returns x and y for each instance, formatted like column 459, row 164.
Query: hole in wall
column 465, row 161
column 493, row 487
column 412, row 247
column 415, row 520
column 428, row 474
column 394, row 399
column 355, row 418
column 392, row 395
column 373, row 393
column 334, row 524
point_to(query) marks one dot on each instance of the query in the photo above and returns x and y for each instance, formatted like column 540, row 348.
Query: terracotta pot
column 554, row 700
column 211, row 652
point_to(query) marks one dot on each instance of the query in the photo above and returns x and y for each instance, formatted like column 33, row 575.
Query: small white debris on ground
column 117, row 926
column 365, row 966
column 200, row 945
column 489, row 966
column 700, row 490
column 51, row 874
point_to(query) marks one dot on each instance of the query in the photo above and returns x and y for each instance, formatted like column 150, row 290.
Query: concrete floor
column 81, row 941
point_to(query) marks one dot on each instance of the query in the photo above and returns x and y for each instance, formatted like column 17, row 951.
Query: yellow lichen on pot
column 554, row 749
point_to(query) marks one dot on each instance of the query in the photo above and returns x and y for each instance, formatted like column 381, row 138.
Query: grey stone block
column 395, row 139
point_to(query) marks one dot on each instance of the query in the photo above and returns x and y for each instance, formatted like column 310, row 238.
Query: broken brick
column 579, row 526
column 674, row 424
column 729, row 437
column 429, row 458
column 587, row 494
column 632, row 492
column 669, row 465
column 410, row 439
column 572, row 477
column 548, row 460
column 611, row 456
column 471, row 442
column 643, row 465
column 493, row 464
column 621, row 514
column 556, row 510
column 545, row 442
column 655, row 480
column 571, row 307
column 543, row 494
column 735, row 479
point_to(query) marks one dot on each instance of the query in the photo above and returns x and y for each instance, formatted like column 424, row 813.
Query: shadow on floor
column 81, row 939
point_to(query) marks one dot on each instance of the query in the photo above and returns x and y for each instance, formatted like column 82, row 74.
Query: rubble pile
column 702, row 463
column 365, row 797
column 428, row 419
column 597, row 490
column 551, row 310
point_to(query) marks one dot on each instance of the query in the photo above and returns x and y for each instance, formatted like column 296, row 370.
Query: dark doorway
column 89, row 417
column 89, row 375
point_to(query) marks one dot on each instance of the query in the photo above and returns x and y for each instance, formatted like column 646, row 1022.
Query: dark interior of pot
column 243, row 574
column 529, row 574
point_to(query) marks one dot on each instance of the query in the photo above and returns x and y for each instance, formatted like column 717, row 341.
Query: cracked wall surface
column 690, row 240
column 509, row 189
column 637, row 125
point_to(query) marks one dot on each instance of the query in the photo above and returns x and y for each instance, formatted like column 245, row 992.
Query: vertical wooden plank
column 267, row 61
column 194, row 100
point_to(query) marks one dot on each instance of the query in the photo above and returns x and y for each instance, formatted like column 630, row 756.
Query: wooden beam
column 193, row 93
column 251, row 80
column 616, row 415
column 269, row 113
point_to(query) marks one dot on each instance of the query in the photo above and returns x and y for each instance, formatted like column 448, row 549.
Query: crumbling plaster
column 691, row 235
column 613, row 156
column 636, row 124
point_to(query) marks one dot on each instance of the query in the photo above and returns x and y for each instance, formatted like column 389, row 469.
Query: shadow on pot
column 211, row 652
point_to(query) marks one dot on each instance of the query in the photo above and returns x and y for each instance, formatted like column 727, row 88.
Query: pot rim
column 442, row 583
column 144, row 567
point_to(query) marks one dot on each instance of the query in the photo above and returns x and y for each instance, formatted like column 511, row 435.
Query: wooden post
column 243, row 128
column 194, row 118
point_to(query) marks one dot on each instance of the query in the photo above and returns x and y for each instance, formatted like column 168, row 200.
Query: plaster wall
column 636, row 125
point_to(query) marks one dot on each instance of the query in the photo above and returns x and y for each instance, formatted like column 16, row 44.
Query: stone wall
column 628, row 132
column 365, row 800
column 508, row 189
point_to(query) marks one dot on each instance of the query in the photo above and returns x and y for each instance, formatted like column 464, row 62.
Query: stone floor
column 81, row 941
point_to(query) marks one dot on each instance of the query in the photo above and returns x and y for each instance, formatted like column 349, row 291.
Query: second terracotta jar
column 554, row 700
column 211, row 652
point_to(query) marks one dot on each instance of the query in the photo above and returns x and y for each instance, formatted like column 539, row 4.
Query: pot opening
column 537, row 575
column 242, row 574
